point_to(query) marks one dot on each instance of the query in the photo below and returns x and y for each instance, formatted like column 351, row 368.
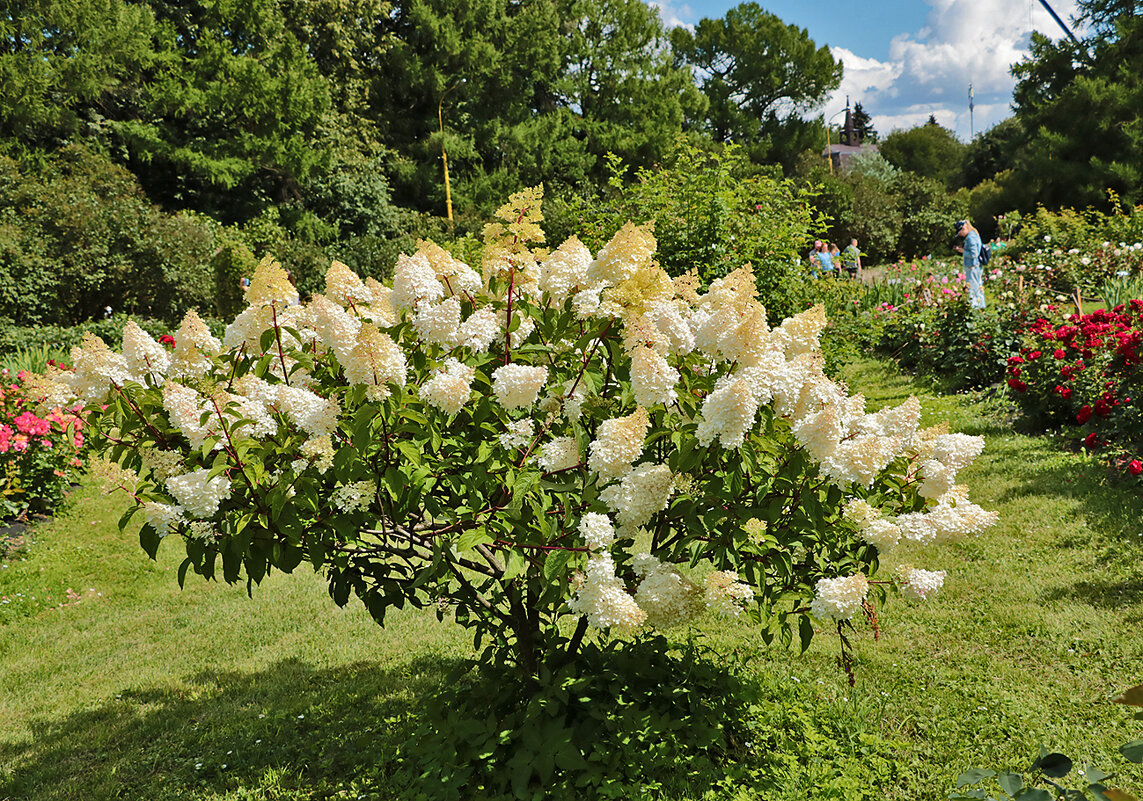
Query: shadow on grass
column 1105, row 594
column 290, row 731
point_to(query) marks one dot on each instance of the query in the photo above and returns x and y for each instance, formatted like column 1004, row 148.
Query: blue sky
column 907, row 59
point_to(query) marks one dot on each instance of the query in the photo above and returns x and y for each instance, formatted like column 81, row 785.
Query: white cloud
column 928, row 72
column 673, row 14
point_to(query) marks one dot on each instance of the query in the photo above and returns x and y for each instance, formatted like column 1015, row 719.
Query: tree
column 930, row 150
column 757, row 73
column 1080, row 106
column 863, row 125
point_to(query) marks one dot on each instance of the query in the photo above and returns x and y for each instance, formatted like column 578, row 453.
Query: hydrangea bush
column 560, row 442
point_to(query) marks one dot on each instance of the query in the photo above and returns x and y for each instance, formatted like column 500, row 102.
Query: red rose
column 1065, row 392
column 1084, row 415
column 1017, row 384
column 1135, row 467
column 1102, row 408
column 1059, row 353
column 1034, row 354
column 1091, row 441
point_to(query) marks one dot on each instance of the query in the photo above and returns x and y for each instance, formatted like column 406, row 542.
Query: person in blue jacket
column 973, row 271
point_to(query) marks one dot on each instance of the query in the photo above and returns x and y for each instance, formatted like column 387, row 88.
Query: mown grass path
column 136, row 689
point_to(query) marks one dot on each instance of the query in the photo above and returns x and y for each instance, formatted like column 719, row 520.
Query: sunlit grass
column 136, row 689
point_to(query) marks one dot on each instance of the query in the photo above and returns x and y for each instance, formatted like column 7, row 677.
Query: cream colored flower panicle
column 51, row 390
column 185, row 408
column 860, row 459
column 727, row 414
column 799, row 334
column 561, row 453
column 97, row 368
column 749, row 340
column 270, row 285
column 480, row 329
column 246, row 329
column 564, row 272
column 375, row 361
column 319, row 452
column 947, row 455
column 199, row 494
column 603, row 599
column 518, row 433
column 726, row 592
column 839, row 598
column 378, row 309
column 449, row 387
column 438, row 323
column 596, row 530
column 919, row 585
column 618, row 443
column 517, row 385
column 344, row 286
column 668, row 598
column 336, row 327
column 672, row 334
column 955, row 517
column 415, row 282
column 652, row 377
column 195, row 346
column 164, row 518
column 632, row 247
column 312, row 413
column 456, row 276
column 355, row 497
column 144, row 356
column 639, row 494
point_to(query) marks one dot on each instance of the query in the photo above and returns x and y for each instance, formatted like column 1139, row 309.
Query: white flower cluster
column 596, row 531
column 839, row 598
column 726, row 592
column 198, row 494
column 519, row 434
column 668, row 598
column 618, row 443
column 561, row 453
column 919, row 585
column 517, row 385
column 450, row 387
column 603, row 598
column 639, row 494
column 354, row 497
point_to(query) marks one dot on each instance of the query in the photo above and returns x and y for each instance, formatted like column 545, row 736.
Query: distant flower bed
column 1087, row 370
column 40, row 450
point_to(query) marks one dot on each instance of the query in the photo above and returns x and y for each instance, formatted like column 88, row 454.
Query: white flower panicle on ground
column 668, row 598
column 479, row 330
column 728, row 414
column 565, row 270
column 632, row 247
column 561, row 453
column 185, row 408
column 344, row 286
column 144, row 356
column 198, row 493
column 270, row 285
column 415, row 282
column 919, row 585
column 97, row 368
column 449, row 388
column 319, row 452
column 603, row 598
column 639, row 494
column 517, row 385
column 519, row 434
column 162, row 517
column 336, row 327
column 839, row 598
column 652, row 377
column 194, row 347
column 355, row 497
column 439, row 323
column 308, row 411
column 596, row 530
column 726, row 592
column 375, row 361
column 618, row 443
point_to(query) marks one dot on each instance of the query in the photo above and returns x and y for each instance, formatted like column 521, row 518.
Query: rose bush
column 560, row 442
column 40, row 450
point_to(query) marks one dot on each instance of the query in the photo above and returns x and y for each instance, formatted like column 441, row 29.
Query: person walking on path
column 851, row 259
column 973, row 271
column 820, row 259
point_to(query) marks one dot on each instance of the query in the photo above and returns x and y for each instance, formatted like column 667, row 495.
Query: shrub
column 567, row 443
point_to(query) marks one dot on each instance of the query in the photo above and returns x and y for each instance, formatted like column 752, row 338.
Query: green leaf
column 1132, row 696
column 1132, row 751
column 806, row 634
column 1053, row 765
column 473, row 537
column 974, row 776
column 1034, row 794
column 555, row 563
column 1011, row 783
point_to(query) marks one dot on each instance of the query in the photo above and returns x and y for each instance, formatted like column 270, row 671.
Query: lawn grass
column 136, row 689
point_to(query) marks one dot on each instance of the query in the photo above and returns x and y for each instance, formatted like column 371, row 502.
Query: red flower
column 1017, row 384
column 1135, row 467
column 1034, row 354
column 167, row 340
column 1059, row 353
column 1091, row 440
column 1102, row 407
column 1084, row 415
column 1063, row 392
column 1015, row 360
